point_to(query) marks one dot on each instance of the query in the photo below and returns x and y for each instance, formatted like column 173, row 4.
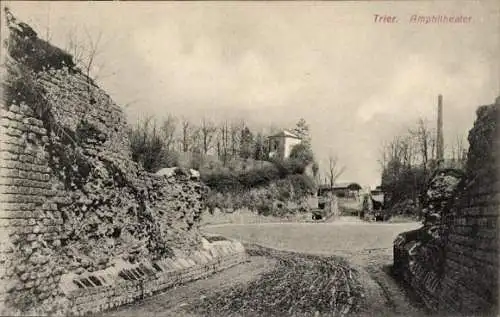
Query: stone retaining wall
column 125, row 283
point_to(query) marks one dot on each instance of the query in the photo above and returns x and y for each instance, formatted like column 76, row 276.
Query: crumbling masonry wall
column 454, row 269
column 470, row 282
column 72, row 202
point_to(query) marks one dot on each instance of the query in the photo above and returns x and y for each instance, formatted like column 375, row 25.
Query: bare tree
column 207, row 130
column 395, row 149
column 146, row 144
column 86, row 50
column 195, row 141
column 235, row 137
column 186, row 131
column 395, row 152
column 334, row 170
column 384, row 155
column 83, row 45
column 93, row 49
column 168, row 129
column 261, row 151
column 426, row 142
column 407, row 150
column 223, row 142
column 406, row 161
column 459, row 150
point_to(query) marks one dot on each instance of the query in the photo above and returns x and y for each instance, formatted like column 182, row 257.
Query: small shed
column 343, row 190
column 347, row 190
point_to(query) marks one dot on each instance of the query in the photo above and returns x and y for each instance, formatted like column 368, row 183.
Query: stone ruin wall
column 469, row 285
column 79, row 220
column 461, row 277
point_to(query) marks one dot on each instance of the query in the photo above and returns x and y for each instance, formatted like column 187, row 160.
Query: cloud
column 356, row 82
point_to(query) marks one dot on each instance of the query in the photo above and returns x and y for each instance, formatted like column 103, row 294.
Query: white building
column 281, row 144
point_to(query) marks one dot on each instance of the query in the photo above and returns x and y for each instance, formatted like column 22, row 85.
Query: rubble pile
column 419, row 254
column 440, row 191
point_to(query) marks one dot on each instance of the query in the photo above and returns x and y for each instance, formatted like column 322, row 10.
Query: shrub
column 222, row 180
column 148, row 147
column 259, row 188
column 302, row 184
column 302, row 152
column 284, row 190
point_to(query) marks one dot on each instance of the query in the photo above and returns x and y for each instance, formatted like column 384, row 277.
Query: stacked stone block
column 31, row 227
column 139, row 281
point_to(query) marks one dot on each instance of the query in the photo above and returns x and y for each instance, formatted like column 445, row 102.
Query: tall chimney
column 439, row 141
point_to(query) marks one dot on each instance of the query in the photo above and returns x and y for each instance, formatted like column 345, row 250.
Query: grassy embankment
column 277, row 188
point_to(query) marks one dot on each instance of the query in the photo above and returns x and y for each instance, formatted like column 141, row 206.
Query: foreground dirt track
column 298, row 285
column 366, row 246
column 272, row 283
column 355, row 282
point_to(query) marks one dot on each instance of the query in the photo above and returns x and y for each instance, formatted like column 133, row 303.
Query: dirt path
column 385, row 296
column 367, row 246
column 286, row 284
column 272, row 284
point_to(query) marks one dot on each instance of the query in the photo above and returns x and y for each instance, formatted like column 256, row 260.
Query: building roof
column 352, row 186
column 285, row 133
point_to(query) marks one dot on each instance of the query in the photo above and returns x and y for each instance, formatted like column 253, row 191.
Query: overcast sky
column 356, row 82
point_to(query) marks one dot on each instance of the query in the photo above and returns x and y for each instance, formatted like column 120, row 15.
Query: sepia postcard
column 249, row 158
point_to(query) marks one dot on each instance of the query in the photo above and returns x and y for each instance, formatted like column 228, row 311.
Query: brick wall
column 31, row 226
column 455, row 272
column 470, row 281
column 72, row 201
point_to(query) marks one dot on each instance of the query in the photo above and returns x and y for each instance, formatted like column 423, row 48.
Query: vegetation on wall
column 234, row 181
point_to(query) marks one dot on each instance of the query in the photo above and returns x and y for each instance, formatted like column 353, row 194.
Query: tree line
column 163, row 143
column 409, row 159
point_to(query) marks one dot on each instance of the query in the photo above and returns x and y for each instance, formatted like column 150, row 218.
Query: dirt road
column 299, row 284
column 366, row 246
column 344, row 234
